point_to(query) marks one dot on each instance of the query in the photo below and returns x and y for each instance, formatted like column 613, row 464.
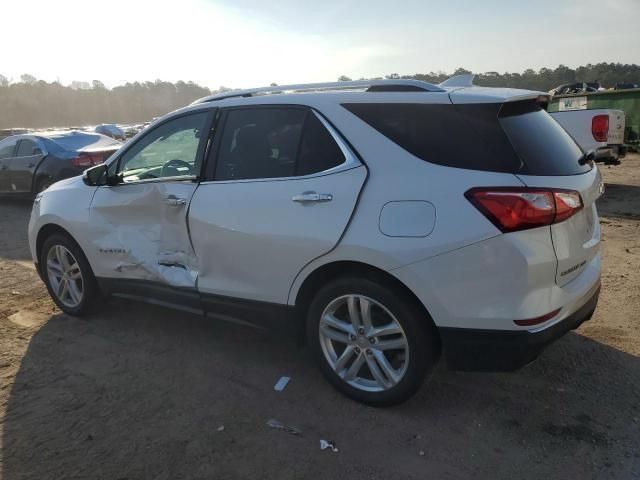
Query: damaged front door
column 139, row 226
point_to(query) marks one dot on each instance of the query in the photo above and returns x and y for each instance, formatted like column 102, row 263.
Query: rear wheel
column 68, row 276
column 372, row 341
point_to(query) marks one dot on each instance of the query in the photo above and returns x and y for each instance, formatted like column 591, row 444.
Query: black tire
column 421, row 337
column 90, row 290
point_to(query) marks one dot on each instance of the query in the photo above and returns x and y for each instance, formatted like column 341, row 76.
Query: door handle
column 312, row 197
column 175, row 201
column 31, row 165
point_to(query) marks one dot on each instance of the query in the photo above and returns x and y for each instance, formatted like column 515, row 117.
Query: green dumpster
column 626, row 100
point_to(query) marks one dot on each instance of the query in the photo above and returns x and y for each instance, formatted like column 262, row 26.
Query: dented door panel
column 253, row 237
column 139, row 231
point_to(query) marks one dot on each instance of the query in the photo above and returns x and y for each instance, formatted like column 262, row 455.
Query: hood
column 67, row 183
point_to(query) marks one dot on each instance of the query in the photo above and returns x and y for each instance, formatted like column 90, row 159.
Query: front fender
column 65, row 204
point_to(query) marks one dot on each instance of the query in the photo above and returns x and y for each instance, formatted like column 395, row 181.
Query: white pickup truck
column 600, row 131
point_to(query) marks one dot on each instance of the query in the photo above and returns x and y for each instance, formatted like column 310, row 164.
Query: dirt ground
column 138, row 392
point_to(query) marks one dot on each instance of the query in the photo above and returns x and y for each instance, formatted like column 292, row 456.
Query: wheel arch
column 40, row 173
column 45, row 232
column 340, row 268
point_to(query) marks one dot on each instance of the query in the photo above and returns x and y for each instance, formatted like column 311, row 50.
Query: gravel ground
column 139, row 392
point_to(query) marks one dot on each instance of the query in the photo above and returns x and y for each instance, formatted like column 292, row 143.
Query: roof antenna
column 465, row 80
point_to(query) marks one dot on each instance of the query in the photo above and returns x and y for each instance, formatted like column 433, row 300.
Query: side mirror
column 95, row 175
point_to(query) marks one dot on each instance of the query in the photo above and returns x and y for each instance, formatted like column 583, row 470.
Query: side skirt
column 241, row 311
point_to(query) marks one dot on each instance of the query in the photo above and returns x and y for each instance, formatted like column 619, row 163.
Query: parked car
column 579, row 87
column 131, row 130
column 598, row 131
column 626, row 86
column 111, row 130
column 390, row 220
column 31, row 163
column 7, row 132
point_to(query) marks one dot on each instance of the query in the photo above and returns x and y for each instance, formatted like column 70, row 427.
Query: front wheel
column 68, row 275
column 371, row 339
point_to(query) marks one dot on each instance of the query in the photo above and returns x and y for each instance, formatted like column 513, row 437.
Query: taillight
column 600, row 127
column 568, row 203
column 513, row 209
column 86, row 160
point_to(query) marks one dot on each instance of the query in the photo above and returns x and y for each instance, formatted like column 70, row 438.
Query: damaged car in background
column 341, row 212
column 30, row 163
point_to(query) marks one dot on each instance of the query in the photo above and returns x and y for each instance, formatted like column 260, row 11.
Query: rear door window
column 274, row 143
column 484, row 136
column 25, row 148
column 318, row 150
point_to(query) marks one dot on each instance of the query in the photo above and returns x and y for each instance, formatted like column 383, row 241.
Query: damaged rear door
column 138, row 227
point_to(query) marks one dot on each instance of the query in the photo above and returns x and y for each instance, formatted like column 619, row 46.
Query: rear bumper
column 610, row 153
column 507, row 350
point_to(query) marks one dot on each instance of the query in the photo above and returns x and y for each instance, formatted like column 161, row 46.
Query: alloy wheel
column 364, row 343
column 65, row 276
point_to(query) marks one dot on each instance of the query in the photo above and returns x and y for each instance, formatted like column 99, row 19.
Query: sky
column 248, row 43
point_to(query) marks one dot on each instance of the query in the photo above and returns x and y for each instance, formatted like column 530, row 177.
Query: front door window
column 169, row 151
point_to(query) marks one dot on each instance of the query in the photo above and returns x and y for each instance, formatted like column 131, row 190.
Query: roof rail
column 370, row 85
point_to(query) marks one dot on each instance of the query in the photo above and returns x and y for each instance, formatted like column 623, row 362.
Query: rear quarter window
column 521, row 138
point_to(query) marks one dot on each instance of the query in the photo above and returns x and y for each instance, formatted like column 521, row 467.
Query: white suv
column 389, row 220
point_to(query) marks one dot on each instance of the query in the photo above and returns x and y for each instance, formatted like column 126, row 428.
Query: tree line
column 607, row 74
column 34, row 103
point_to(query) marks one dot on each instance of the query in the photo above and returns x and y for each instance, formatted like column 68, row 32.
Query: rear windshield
column 543, row 145
column 79, row 141
column 514, row 138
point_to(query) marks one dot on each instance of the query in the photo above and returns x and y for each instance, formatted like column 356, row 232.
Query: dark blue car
column 30, row 163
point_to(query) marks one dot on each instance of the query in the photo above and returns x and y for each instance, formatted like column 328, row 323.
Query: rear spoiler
column 462, row 82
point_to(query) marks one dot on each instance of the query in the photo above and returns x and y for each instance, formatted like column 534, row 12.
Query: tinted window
column 7, row 147
column 274, row 142
column 472, row 137
column 169, row 150
column 260, row 143
column 318, row 149
column 25, row 148
column 542, row 144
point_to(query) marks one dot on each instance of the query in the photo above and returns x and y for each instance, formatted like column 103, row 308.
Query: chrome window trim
column 180, row 178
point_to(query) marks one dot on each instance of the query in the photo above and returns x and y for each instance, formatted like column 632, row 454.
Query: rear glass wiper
column 587, row 157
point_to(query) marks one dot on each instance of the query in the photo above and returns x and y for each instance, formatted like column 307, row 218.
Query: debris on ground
column 277, row 424
column 221, row 428
column 324, row 445
column 281, row 384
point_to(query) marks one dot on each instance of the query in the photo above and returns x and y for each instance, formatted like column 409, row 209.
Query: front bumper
column 506, row 350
